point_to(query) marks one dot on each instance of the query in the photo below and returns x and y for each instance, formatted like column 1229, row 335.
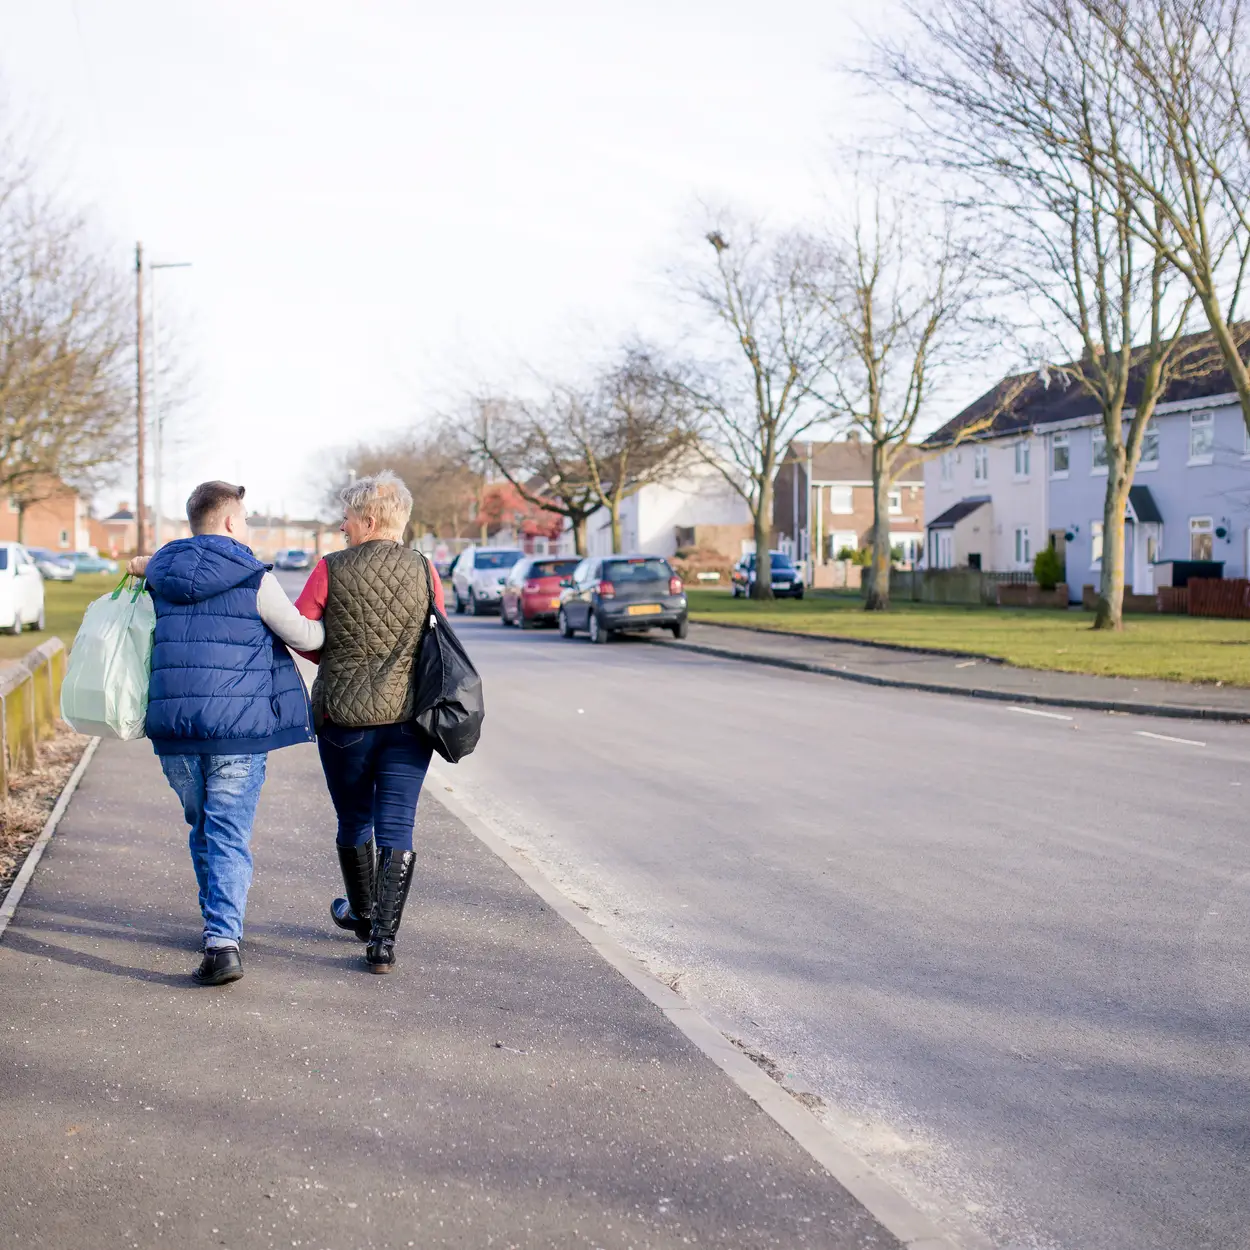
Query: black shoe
column 358, row 864
column 394, row 877
column 220, row 966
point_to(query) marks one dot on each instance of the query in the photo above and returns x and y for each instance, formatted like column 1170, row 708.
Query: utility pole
column 157, row 431
column 140, row 544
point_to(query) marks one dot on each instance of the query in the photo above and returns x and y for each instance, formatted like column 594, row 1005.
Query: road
column 1009, row 950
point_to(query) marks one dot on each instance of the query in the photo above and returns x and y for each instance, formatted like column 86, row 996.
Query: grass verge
column 64, row 605
column 1175, row 648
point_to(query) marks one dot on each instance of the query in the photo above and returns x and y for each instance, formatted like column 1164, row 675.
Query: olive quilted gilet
column 376, row 611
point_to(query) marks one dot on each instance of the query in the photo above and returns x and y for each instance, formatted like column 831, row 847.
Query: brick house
column 58, row 519
column 119, row 531
column 267, row 535
column 822, row 503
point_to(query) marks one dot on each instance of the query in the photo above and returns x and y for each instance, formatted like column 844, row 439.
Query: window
column 1059, row 452
column 1150, row 447
column 1098, row 441
column 947, row 464
column 64, row 539
column 1095, row 544
column 1024, row 548
column 896, row 502
column 1201, row 538
column 1201, row 438
column 944, row 556
column 981, row 464
column 841, row 500
column 1022, row 458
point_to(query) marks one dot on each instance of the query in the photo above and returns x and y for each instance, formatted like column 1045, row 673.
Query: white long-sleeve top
column 282, row 616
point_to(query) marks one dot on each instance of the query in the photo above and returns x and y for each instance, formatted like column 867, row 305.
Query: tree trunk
column 1238, row 371
column 579, row 535
column 614, row 511
column 878, row 597
column 1110, row 613
column 763, row 518
column 21, row 521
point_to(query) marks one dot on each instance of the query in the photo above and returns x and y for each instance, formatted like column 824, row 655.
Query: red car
column 532, row 592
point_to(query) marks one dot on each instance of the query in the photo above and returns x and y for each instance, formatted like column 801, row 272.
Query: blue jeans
column 374, row 776
column 218, row 795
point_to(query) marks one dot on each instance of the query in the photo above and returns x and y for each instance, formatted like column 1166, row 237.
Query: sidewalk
column 966, row 675
column 504, row 1087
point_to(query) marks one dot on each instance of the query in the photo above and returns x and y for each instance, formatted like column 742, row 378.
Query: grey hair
column 384, row 497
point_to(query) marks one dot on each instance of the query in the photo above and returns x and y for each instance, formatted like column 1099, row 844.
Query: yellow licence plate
column 642, row 609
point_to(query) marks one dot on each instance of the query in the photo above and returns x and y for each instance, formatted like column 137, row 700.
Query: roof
column 1057, row 398
column 260, row 521
column 850, row 461
column 1143, row 504
column 952, row 516
column 120, row 515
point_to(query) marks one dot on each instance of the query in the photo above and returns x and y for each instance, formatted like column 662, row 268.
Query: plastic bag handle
column 140, row 584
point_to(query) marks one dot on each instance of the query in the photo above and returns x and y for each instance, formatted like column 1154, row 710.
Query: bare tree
column 65, row 352
column 1025, row 104
column 534, row 446
column 900, row 299
column 753, row 394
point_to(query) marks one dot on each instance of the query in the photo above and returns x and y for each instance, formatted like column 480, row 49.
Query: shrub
column 1048, row 570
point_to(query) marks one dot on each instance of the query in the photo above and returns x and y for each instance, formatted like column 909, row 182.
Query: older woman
column 374, row 600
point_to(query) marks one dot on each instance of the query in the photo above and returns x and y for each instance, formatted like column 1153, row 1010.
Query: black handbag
column 448, row 696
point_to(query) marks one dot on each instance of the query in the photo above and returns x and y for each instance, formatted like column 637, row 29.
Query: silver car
column 478, row 575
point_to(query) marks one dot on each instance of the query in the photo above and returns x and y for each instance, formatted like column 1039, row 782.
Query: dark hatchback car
column 785, row 579
column 618, row 594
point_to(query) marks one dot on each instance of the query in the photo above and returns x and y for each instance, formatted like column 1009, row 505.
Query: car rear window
column 495, row 559
column 4, row 557
column 782, row 562
column 553, row 568
column 617, row 571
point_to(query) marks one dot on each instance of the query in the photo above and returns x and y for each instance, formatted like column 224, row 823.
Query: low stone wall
column 30, row 701
column 1032, row 596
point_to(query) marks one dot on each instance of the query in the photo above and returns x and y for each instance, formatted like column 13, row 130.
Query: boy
column 224, row 692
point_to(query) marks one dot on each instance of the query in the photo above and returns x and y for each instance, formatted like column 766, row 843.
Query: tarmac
column 504, row 1087
column 966, row 675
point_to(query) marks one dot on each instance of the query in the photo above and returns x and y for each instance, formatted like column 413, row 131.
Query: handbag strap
column 429, row 592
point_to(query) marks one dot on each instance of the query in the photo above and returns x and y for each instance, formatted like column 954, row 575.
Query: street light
column 156, row 413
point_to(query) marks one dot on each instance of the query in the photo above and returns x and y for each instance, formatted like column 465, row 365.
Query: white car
column 478, row 575
column 21, row 590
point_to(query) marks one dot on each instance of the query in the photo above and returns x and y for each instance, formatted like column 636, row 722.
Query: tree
column 1024, row 104
column 633, row 429
column 65, row 351
column 900, row 300
column 534, row 447
column 752, row 395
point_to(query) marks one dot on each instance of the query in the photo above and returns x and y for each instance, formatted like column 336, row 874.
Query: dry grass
column 32, row 797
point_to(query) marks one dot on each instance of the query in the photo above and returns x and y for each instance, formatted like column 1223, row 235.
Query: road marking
column 1189, row 742
column 1036, row 711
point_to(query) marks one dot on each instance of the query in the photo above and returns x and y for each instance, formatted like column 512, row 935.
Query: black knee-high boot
column 394, row 877
column 358, row 864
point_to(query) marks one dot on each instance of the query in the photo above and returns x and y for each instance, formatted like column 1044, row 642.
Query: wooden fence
column 30, row 702
column 1219, row 597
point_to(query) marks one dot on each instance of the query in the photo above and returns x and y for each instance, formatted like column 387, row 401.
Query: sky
column 388, row 205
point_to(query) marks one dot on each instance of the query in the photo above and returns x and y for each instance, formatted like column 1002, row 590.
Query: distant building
column 267, row 535
column 120, row 531
column 58, row 519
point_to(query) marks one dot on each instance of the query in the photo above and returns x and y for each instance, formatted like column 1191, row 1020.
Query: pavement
column 1007, row 947
column 504, row 1087
column 970, row 676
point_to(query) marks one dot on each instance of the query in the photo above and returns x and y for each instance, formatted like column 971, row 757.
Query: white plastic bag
column 105, row 691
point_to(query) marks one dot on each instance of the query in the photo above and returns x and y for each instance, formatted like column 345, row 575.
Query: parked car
column 21, row 590
column 787, row 581
column 293, row 558
column 478, row 575
column 85, row 562
column 56, row 566
column 607, row 595
column 531, row 593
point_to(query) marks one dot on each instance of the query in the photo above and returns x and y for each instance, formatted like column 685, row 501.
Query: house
column 696, row 508
column 822, row 503
column 56, row 517
column 120, row 531
column 1037, row 475
column 267, row 535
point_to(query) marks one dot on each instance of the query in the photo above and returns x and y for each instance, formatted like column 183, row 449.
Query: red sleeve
column 312, row 601
column 438, row 588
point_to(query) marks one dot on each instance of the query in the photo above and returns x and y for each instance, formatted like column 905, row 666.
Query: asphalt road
column 1009, row 949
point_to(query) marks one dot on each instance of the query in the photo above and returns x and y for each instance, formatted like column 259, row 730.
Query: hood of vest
column 191, row 570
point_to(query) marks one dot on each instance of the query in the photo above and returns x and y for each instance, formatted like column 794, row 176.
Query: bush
column 1048, row 570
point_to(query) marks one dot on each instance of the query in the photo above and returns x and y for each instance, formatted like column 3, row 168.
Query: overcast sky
column 387, row 203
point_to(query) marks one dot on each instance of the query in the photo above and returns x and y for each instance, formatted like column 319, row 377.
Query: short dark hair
column 208, row 500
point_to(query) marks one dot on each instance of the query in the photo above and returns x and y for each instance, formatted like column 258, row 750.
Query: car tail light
column 674, row 586
column 533, row 587
column 607, row 590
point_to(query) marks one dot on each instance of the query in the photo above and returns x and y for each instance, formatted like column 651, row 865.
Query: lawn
column 1180, row 648
column 64, row 605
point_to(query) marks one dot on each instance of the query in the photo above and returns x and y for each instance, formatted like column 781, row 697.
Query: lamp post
column 157, row 442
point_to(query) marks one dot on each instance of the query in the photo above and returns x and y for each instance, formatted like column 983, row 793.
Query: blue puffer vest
column 222, row 684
